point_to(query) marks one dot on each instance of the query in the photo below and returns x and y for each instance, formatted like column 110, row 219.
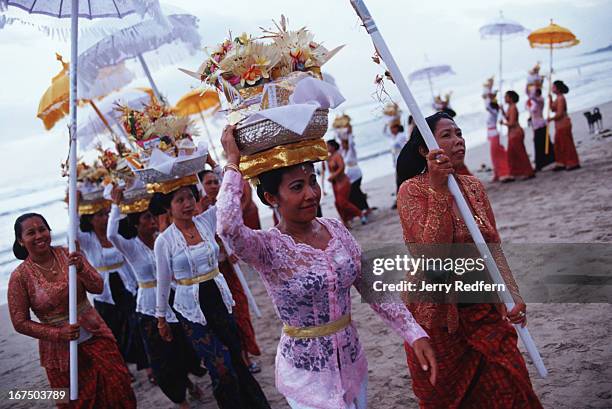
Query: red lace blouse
column 29, row 290
column 427, row 217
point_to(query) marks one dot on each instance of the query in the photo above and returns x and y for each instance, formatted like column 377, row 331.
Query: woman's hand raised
column 229, row 145
column 439, row 167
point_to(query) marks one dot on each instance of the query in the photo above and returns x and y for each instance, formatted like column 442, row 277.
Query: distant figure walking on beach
column 353, row 171
column 480, row 363
column 566, row 156
column 535, row 105
column 518, row 160
column 341, row 184
column 394, row 130
column 40, row 285
column 499, row 156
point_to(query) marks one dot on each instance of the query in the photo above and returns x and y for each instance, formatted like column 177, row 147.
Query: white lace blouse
column 142, row 260
column 103, row 258
column 174, row 258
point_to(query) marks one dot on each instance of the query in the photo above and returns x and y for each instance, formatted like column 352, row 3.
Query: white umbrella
column 87, row 9
column 501, row 28
column 166, row 44
column 103, row 116
column 427, row 73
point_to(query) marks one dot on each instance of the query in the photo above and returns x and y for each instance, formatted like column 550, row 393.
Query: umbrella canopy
column 164, row 45
column 196, row 101
column 87, row 8
column 430, row 72
column 501, row 26
column 103, row 116
column 498, row 29
column 552, row 36
column 54, row 104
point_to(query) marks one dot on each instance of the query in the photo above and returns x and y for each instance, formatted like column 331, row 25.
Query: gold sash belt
column 318, row 330
column 199, row 279
column 112, row 267
column 147, row 284
column 56, row 319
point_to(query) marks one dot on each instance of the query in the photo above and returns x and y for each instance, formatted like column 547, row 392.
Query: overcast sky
column 444, row 30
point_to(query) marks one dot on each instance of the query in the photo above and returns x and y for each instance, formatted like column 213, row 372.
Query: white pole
column 145, row 68
column 464, row 209
column 72, row 199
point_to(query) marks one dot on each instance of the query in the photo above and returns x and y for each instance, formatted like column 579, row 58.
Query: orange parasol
column 551, row 37
column 199, row 101
column 54, row 103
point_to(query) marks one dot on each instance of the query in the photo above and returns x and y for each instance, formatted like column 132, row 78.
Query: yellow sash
column 318, row 330
column 147, row 284
column 112, row 267
column 199, row 279
column 56, row 319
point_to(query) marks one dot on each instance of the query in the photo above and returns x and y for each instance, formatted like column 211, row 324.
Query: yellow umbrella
column 54, row 104
column 551, row 37
column 198, row 101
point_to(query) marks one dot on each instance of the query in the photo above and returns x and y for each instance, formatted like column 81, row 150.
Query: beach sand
column 574, row 339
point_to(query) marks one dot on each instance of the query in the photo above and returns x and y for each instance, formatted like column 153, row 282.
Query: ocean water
column 38, row 187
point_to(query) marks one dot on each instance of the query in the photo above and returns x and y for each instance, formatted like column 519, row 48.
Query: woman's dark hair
column 514, row 97
column 494, row 105
column 203, row 173
column 270, row 181
column 128, row 226
column 85, row 223
column 333, row 144
column 400, row 127
column 161, row 202
column 560, row 85
column 410, row 162
column 18, row 250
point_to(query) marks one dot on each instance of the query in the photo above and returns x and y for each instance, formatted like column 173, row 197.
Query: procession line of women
column 513, row 163
column 470, row 349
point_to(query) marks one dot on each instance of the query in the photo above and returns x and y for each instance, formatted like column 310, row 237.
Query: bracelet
column 232, row 166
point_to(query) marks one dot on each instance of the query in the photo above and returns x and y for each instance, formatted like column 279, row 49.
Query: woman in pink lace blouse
column 40, row 285
column 308, row 266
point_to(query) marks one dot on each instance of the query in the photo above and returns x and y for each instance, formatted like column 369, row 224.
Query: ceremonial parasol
column 427, row 73
column 501, row 28
column 199, row 101
column 54, row 104
column 551, row 37
column 164, row 44
column 74, row 9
